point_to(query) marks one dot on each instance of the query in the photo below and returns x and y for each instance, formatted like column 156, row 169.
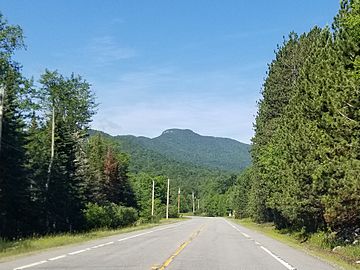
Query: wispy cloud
column 223, row 119
column 106, row 50
column 169, row 83
column 218, row 102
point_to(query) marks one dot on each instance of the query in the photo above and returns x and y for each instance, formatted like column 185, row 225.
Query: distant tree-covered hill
column 192, row 162
column 189, row 147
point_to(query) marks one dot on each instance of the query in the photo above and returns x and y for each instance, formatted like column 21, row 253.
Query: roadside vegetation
column 29, row 245
column 306, row 164
column 54, row 177
column 317, row 244
column 60, row 179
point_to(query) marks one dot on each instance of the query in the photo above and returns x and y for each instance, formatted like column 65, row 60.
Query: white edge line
column 57, row 258
column 30, row 265
column 77, row 252
column 236, row 228
column 83, row 250
column 288, row 266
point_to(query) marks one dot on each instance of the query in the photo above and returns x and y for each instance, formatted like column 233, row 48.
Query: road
column 198, row 243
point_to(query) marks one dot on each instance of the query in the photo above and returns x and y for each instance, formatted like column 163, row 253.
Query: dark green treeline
column 306, row 149
column 53, row 177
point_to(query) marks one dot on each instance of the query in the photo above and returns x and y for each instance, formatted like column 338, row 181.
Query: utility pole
column 2, row 97
column 179, row 201
column 152, row 198
column 167, row 199
column 198, row 200
column 193, row 201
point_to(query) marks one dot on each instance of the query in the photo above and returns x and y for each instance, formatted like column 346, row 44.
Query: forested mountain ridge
column 146, row 163
column 186, row 146
column 213, row 152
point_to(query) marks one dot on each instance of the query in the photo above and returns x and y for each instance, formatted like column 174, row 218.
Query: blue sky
column 161, row 64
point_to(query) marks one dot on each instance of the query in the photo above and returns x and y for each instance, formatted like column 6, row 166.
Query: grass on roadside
column 188, row 214
column 316, row 245
column 34, row 244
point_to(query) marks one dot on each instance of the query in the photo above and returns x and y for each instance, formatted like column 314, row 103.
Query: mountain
column 187, row 147
column 205, row 151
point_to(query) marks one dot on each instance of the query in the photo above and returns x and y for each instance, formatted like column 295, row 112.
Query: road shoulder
column 32, row 246
column 324, row 255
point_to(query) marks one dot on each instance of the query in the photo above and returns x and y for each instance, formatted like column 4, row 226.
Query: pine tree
column 343, row 200
column 14, row 186
column 68, row 105
column 107, row 174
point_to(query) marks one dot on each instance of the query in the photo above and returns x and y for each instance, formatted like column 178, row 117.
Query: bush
column 121, row 216
column 109, row 216
column 324, row 240
column 173, row 211
column 159, row 212
column 96, row 216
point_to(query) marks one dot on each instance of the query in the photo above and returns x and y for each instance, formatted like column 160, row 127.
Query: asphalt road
column 199, row 243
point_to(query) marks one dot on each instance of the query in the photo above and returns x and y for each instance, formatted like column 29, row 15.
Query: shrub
column 96, row 216
column 121, row 216
column 159, row 211
column 109, row 216
column 173, row 211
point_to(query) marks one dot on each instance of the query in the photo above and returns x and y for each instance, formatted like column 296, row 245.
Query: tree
column 14, row 186
column 241, row 193
column 306, row 145
column 106, row 177
column 343, row 200
column 142, row 185
column 68, row 105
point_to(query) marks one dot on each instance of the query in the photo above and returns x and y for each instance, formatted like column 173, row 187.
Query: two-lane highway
column 199, row 243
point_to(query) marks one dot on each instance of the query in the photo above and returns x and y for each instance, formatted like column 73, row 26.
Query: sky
column 160, row 64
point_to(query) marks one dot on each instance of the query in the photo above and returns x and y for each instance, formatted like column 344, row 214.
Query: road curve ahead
column 199, row 243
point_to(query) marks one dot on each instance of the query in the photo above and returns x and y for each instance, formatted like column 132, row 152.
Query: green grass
column 317, row 244
column 187, row 214
column 31, row 245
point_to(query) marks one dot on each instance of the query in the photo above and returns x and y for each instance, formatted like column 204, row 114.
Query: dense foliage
column 109, row 216
column 306, row 162
column 209, row 185
column 305, row 168
column 52, row 176
column 189, row 147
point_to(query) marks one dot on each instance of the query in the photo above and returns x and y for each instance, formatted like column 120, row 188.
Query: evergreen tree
column 68, row 105
column 107, row 174
column 343, row 199
column 14, row 186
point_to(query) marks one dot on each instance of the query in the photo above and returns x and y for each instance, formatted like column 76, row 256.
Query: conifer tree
column 14, row 186
column 68, row 105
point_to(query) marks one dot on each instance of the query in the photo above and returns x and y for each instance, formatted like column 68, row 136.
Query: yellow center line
column 177, row 252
